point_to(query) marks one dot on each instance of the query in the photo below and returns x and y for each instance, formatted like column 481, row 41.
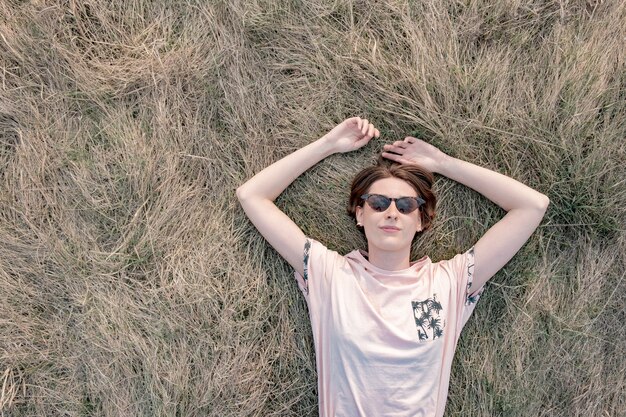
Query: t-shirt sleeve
column 462, row 268
column 319, row 262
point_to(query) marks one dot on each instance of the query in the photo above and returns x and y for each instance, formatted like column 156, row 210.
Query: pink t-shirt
column 384, row 340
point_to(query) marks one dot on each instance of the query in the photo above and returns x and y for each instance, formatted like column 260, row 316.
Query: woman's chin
column 390, row 243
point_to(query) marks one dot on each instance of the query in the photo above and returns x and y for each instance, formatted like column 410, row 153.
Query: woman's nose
column 392, row 210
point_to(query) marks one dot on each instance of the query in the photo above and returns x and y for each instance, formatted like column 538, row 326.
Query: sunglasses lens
column 406, row 205
column 379, row 203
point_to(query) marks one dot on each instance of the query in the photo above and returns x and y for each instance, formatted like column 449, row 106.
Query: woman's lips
column 390, row 229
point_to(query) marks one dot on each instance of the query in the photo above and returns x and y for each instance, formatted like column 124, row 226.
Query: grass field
column 133, row 284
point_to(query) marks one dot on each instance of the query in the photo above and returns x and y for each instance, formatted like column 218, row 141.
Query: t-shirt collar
column 360, row 256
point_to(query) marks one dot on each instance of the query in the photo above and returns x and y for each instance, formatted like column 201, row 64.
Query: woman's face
column 373, row 221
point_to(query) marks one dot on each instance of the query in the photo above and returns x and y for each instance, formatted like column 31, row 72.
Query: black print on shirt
column 427, row 319
column 307, row 249
column 470, row 273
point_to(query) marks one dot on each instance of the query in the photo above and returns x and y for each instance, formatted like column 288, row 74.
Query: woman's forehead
column 392, row 187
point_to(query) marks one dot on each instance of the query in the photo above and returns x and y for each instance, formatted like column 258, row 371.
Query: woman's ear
column 359, row 214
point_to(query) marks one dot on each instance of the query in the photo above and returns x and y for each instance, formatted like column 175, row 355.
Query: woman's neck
column 389, row 260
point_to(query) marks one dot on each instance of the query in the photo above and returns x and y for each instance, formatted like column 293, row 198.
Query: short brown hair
column 417, row 177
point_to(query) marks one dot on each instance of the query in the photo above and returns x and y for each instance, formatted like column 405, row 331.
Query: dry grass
column 132, row 282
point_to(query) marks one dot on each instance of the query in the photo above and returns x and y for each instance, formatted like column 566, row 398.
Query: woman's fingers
column 394, row 148
column 393, row 157
column 365, row 126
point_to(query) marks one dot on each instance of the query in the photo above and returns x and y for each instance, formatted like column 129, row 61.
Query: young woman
column 385, row 329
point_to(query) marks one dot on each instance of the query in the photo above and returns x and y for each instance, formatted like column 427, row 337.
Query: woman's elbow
column 544, row 202
column 240, row 193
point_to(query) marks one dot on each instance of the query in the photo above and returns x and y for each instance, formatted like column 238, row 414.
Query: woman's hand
column 417, row 152
column 351, row 134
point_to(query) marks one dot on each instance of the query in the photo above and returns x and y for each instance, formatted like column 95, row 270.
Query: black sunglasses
column 405, row 205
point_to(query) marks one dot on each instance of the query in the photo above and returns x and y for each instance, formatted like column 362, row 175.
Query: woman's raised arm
column 257, row 195
column 525, row 207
